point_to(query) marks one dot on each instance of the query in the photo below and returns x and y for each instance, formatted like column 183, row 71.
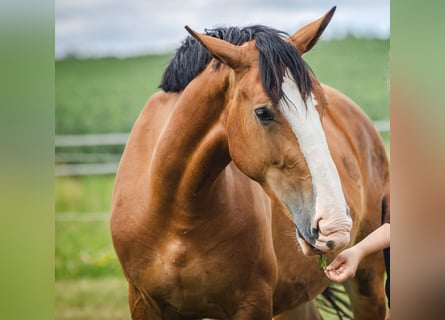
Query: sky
column 98, row 28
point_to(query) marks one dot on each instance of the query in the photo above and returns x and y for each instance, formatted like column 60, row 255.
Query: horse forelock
column 276, row 56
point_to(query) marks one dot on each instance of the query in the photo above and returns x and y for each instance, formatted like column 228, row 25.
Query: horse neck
column 192, row 149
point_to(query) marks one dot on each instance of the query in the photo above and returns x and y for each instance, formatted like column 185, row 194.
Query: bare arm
column 375, row 241
column 345, row 264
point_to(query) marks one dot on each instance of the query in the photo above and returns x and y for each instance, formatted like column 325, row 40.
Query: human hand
column 344, row 265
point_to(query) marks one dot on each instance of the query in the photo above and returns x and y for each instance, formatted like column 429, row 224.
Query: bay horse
column 238, row 174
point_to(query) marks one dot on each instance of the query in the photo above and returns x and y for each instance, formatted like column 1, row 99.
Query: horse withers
column 237, row 174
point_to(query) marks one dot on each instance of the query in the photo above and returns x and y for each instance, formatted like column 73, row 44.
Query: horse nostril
column 330, row 244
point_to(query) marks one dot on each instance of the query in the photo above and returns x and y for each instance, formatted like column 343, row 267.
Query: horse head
column 273, row 123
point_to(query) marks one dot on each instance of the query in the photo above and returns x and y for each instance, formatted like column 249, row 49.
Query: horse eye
column 264, row 115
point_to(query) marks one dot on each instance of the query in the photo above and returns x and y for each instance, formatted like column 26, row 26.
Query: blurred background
column 110, row 56
column 113, row 28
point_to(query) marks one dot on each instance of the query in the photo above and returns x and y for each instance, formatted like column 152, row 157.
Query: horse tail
column 334, row 300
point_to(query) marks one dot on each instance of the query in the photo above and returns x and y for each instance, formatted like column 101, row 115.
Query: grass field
column 106, row 95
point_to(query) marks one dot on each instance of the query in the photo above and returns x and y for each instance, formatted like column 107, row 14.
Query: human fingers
column 338, row 275
column 336, row 263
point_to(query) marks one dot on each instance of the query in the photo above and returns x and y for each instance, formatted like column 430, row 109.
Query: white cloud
column 123, row 28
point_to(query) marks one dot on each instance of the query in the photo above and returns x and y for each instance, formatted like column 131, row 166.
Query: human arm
column 345, row 264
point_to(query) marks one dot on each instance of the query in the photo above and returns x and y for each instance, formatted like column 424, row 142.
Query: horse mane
column 276, row 56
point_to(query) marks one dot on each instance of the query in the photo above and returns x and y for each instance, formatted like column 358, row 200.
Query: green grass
column 86, row 299
column 359, row 68
column 84, row 193
column 84, row 249
column 106, row 95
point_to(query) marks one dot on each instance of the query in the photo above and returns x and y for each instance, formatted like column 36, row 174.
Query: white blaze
column 305, row 123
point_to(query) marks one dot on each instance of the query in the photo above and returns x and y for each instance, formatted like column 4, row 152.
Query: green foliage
column 322, row 261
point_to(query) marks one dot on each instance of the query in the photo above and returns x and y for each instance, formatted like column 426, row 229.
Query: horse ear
column 224, row 51
column 305, row 38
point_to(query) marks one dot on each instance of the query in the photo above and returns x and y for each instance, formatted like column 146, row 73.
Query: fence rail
column 80, row 140
column 382, row 125
column 109, row 139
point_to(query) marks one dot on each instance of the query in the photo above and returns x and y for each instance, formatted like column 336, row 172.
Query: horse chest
column 182, row 276
column 175, row 254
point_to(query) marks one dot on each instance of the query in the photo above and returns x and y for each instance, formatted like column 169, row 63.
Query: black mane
column 276, row 55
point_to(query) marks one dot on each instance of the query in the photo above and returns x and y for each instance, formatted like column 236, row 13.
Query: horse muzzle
column 333, row 242
column 328, row 235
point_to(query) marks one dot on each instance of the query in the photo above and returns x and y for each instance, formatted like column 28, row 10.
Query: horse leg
column 305, row 311
column 366, row 289
column 140, row 308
